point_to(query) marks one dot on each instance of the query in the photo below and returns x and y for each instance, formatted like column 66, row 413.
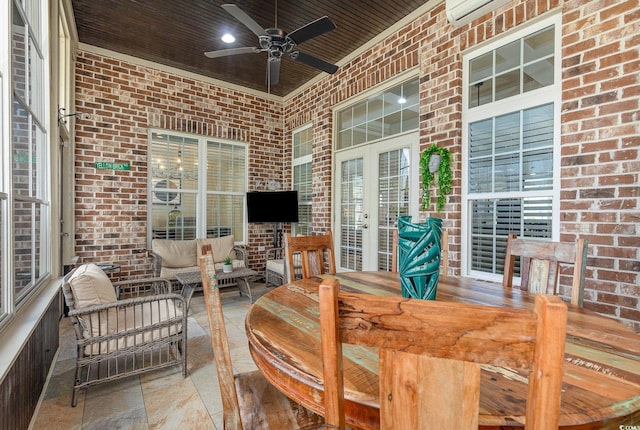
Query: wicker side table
column 191, row 280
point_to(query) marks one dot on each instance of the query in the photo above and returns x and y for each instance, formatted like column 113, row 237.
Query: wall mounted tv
column 272, row 206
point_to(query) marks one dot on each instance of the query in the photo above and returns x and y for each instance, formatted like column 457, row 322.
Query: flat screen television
column 272, row 206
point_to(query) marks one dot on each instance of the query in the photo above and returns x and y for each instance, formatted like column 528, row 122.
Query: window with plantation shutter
column 302, row 178
column 197, row 187
column 510, row 123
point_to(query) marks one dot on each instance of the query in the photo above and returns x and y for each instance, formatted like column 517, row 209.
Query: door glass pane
column 351, row 213
column 393, row 199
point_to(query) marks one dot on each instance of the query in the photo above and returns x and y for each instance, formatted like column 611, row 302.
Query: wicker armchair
column 276, row 272
column 125, row 328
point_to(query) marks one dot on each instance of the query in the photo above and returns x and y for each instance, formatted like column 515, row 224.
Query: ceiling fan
column 276, row 42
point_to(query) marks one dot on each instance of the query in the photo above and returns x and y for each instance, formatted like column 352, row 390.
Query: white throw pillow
column 221, row 247
column 175, row 253
column 90, row 286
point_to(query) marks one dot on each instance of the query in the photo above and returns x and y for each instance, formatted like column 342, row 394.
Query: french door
column 373, row 185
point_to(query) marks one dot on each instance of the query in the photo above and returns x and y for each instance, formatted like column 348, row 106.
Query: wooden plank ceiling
column 177, row 32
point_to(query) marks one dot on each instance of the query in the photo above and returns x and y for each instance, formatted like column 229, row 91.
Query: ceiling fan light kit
column 276, row 42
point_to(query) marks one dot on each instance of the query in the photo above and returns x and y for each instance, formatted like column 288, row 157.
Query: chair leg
column 74, row 396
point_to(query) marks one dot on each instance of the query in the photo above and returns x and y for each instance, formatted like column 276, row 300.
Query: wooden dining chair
column 539, row 264
column 430, row 354
column 249, row 401
column 312, row 250
column 444, row 252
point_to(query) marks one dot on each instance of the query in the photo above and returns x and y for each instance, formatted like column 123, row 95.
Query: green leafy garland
column 445, row 176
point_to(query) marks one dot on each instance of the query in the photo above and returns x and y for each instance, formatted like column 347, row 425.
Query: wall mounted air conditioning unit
column 461, row 12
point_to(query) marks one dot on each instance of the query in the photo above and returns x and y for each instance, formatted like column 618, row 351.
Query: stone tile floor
column 161, row 399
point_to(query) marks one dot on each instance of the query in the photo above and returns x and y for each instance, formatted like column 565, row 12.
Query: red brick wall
column 599, row 133
column 124, row 100
column 600, row 197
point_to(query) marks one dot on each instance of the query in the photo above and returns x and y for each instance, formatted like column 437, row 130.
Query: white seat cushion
column 276, row 266
column 134, row 317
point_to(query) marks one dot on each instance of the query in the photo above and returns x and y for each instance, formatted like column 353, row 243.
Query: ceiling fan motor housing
column 276, row 42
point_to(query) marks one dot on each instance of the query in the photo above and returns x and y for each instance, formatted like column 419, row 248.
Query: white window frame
column 551, row 93
column 300, row 161
column 38, row 108
column 202, row 193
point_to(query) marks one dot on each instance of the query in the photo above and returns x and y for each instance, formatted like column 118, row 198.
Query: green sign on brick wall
column 111, row 165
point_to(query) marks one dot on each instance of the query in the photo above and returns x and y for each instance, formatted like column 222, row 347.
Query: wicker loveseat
column 123, row 328
column 176, row 256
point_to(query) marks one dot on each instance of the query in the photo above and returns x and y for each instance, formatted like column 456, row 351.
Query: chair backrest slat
column 312, row 250
column 430, row 354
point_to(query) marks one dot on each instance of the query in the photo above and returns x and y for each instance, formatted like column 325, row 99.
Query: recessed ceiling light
column 228, row 38
column 402, row 100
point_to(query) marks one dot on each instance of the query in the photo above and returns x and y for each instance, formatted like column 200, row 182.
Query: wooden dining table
column 601, row 383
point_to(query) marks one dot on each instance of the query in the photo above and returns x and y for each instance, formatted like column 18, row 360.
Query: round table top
column 602, row 357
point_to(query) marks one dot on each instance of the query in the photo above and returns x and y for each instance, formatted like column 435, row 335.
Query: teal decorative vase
column 419, row 257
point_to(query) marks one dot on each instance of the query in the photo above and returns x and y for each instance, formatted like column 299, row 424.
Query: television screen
column 272, row 206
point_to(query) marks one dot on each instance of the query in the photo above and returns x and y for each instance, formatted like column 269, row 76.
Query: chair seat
column 276, row 266
column 262, row 406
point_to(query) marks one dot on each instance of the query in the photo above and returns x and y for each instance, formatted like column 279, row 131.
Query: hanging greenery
column 445, row 176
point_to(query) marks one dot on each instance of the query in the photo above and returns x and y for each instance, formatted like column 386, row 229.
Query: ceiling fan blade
column 273, row 71
column 314, row 62
column 231, row 51
column 241, row 16
column 311, row 30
